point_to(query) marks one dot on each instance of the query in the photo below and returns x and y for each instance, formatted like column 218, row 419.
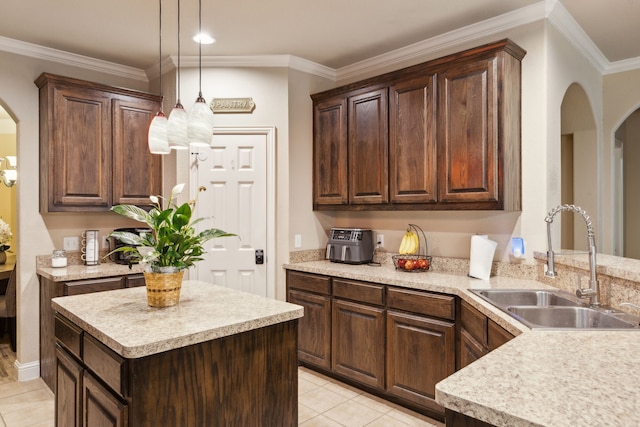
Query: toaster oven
column 123, row 257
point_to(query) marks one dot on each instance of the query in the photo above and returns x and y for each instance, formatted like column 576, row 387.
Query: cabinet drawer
column 425, row 303
column 78, row 287
column 474, row 322
column 105, row 363
column 359, row 291
column 309, row 282
column 69, row 336
column 135, row 280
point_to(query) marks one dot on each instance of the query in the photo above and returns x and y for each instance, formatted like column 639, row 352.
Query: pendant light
column 157, row 137
column 200, row 124
column 177, row 124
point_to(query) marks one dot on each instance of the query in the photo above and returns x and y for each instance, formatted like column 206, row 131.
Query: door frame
column 270, row 250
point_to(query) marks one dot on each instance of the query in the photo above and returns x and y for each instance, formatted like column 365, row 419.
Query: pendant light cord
column 178, row 52
column 160, row 49
column 200, row 48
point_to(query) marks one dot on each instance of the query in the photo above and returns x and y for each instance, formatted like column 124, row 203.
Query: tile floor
column 323, row 402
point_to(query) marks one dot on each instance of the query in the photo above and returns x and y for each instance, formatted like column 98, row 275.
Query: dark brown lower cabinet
column 358, row 342
column 246, row 379
column 50, row 289
column 420, row 353
column 314, row 340
column 456, row 419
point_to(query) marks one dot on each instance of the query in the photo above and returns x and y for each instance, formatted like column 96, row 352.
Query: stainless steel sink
column 533, row 297
column 568, row 318
column 554, row 309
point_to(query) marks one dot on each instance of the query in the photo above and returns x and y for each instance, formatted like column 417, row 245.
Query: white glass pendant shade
column 158, row 140
column 200, row 124
column 177, row 128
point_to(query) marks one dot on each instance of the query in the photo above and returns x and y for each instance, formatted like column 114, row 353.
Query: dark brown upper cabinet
column 442, row 135
column 93, row 146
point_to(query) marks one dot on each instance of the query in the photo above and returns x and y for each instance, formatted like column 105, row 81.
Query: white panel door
column 234, row 172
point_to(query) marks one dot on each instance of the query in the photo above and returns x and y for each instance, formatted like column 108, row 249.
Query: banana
column 410, row 243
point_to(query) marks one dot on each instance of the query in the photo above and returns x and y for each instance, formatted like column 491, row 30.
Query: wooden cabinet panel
column 420, row 302
column 135, row 280
column 137, row 173
column 68, row 390
column 420, row 353
column 93, row 146
column 358, row 342
column 69, row 336
column 450, row 140
column 412, row 140
column 469, row 132
column 106, row 364
column 314, row 329
column 368, row 293
column 497, row 335
column 470, row 349
column 309, row 282
column 474, row 322
column 87, row 286
column 100, row 407
column 330, row 179
column 75, row 151
column 368, row 148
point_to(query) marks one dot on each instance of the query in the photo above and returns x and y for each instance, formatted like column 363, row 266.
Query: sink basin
column 554, row 309
column 568, row 317
column 528, row 297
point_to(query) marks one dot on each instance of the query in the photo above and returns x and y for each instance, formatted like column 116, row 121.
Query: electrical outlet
column 71, row 243
column 105, row 242
column 297, row 240
column 380, row 240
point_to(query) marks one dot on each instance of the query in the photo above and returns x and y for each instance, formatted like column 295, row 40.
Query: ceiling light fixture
column 177, row 124
column 9, row 174
column 157, row 138
column 203, row 38
column 200, row 123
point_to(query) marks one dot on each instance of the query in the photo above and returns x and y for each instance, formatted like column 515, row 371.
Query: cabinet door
column 358, row 342
column 468, row 133
column 314, row 329
column 470, row 349
column 497, row 335
column 137, row 174
column 68, row 390
column 78, row 151
column 135, row 280
column 412, row 140
column 330, row 152
column 100, row 407
column 420, row 353
column 368, row 148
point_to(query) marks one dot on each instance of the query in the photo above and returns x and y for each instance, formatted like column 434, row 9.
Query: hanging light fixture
column 8, row 175
column 158, row 142
column 200, row 123
column 177, row 124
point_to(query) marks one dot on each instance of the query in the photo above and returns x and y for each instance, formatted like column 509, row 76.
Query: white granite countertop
column 79, row 272
column 540, row 378
column 123, row 321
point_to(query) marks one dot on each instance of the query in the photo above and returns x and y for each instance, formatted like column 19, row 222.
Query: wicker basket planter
column 163, row 289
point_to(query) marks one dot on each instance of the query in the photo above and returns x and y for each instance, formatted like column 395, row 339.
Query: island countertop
column 123, row 321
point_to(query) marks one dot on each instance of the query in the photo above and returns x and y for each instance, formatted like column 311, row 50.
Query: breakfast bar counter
column 219, row 357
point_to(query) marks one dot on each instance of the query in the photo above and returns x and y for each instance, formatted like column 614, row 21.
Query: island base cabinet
column 456, row 419
column 246, row 379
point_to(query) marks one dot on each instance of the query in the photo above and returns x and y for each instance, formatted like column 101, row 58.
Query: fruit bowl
column 412, row 263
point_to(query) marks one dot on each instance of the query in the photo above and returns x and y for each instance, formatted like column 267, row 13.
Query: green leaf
column 133, row 212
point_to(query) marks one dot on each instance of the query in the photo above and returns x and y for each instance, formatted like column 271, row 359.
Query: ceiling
column 333, row 33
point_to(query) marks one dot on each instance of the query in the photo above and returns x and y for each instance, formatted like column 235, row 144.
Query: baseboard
column 28, row 371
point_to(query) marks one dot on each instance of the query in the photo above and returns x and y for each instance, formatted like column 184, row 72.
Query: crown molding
column 416, row 51
column 45, row 53
column 562, row 20
column 255, row 61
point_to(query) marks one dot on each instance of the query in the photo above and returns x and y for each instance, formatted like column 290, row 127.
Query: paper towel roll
column 481, row 259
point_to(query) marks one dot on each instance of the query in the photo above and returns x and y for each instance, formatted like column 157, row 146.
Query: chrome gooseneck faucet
column 593, row 291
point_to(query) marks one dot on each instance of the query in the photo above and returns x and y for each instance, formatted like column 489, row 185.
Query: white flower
column 5, row 235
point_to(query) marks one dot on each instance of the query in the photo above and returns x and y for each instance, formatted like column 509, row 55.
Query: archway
column 626, row 177
column 579, row 165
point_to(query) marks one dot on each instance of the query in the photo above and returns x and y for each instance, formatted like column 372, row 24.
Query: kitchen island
column 219, row 357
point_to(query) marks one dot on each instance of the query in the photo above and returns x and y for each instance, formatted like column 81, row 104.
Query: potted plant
column 5, row 236
column 172, row 246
